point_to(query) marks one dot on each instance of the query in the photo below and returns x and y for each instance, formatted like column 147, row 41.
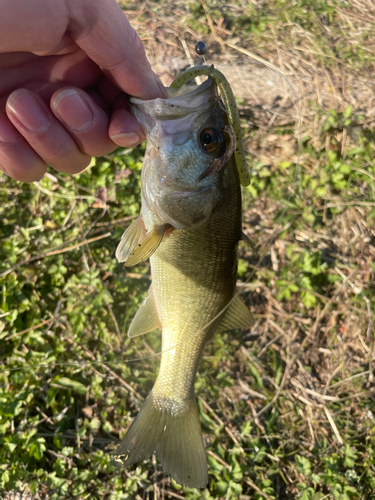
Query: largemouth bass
column 189, row 226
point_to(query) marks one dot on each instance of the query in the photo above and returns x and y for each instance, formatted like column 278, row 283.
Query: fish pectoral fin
column 236, row 316
column 134, row 234
column 146, row 318
column 147, row 246
column 249, row 242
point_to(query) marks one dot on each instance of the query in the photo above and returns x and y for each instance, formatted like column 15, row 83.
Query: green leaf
column 303, row 465
column 321, row 191
column 10, row 446
column 4, row 478
column 309, row 300
column 355, row 151
column 347, row 111
column 37, row 448
column 95, row 423
column 345, row 169
column 74, row 385
column 53, row 269
column 350, row 456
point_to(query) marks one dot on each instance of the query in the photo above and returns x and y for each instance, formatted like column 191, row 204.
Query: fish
column 189, row 227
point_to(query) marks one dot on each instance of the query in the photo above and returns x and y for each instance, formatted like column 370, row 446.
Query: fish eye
column 211, row 140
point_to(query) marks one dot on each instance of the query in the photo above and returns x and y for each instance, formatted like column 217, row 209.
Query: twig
column 255, row 487
column 35, row 327
column 114, row 321
column 65, row 196
column 314, row 393
column 333, row 425
column 45, row 417
column 251, row 392
column 174, row 495
column 209, row 452
column 281, row 387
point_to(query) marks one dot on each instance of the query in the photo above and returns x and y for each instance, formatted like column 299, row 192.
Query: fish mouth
column 188, row 193
column 180, row 102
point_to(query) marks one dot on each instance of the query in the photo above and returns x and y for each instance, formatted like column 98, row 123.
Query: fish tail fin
column 181, row 448
column 177, row 440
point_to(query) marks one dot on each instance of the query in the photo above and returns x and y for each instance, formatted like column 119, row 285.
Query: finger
column 85, row 121
column 108, row 90
column 27, row 70
column 44, row 133
column 124, row 129
column 107, row 37
column 17, row 158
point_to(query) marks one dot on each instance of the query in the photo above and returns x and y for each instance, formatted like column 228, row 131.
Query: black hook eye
column 200, row 48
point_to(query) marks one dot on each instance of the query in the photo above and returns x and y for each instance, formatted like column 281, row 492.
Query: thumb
column 102, row 31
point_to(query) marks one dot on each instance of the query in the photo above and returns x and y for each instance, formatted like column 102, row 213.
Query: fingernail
column 127, row 140
column 8, row 134
column 73, row 110
column 28, row 111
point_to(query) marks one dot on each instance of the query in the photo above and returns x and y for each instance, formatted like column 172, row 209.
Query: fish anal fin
column 146, row 318
column 145, row 248
column 236, row 316
column 133, row 235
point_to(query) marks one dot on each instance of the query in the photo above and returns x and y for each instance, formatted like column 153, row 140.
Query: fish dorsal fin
column 236, row 316
column 146, row 318
column 134, row 234
column 145, row 248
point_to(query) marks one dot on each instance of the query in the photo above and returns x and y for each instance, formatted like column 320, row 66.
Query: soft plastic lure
column 231, row 110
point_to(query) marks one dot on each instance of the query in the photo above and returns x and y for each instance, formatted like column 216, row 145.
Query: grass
column 287, row 409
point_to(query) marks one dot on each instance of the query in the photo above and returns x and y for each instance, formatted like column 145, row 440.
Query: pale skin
column 67, row 68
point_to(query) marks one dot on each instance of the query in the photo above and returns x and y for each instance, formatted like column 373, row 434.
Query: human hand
column 65, row 66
